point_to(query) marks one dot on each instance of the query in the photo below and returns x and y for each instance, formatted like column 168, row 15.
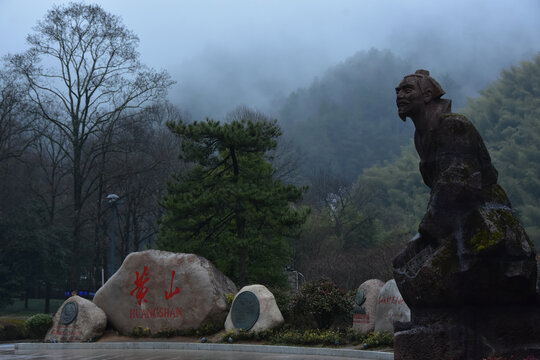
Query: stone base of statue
column 472, row 293
column 473, row 332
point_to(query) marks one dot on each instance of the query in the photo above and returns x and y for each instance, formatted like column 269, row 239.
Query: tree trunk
column 47, row 308
column 74, row 273
column 240, row 226
column 242, row 266
column 26, row 295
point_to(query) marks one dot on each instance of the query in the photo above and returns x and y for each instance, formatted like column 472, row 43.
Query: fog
column 253, row 52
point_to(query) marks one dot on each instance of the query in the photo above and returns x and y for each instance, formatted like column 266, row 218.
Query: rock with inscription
column 254, row 309
column 77, row 320
column 163, row 291
column 390, row 307
column 365, row 306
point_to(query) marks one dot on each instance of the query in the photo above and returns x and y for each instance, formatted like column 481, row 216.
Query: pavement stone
column 180, row 351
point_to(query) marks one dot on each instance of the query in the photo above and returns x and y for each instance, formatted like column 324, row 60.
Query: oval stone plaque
column 69, row 313
column 360, row 297
column 245, row 310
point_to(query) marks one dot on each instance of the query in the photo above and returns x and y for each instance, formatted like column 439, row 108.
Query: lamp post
column 112, row 199
column 298, row 273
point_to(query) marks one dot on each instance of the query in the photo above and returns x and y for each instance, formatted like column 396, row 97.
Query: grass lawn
column 35, row 306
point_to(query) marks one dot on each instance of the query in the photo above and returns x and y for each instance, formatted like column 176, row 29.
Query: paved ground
column 155, row 355
column 7, row 352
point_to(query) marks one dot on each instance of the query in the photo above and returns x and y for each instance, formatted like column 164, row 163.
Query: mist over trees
column 346, row 121
column 89, row 121
column 357, row 226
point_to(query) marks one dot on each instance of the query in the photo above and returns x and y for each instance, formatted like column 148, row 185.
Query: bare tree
column 142, row 156
column 16, row 122
column 90, row 77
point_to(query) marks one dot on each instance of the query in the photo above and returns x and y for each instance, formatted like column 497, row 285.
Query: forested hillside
column 356, row 228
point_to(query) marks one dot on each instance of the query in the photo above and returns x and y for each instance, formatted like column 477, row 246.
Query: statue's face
column 409, row 98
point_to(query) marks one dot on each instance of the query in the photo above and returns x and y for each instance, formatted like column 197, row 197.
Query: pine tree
column 229, row 208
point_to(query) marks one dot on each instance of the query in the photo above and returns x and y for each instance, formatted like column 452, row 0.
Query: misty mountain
column 347, row 120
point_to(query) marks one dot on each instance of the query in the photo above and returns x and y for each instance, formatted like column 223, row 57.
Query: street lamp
column 112, row 199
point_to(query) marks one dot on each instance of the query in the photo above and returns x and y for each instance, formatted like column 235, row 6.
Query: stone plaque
column 69, row 313
column 245, row 310
column 360, row 297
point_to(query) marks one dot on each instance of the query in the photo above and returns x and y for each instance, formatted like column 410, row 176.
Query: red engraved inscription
column 139, row 285
column 170, row 294
column 361, row 318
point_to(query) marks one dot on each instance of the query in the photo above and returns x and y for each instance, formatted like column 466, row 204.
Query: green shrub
column 38, row 325
column 323, row 300
column 139, row 331
column 12, row 329
column 283, row 301
column 229, row 298
column 240, row 335
column 378, row 339
column 203, row 330
column 313, row 337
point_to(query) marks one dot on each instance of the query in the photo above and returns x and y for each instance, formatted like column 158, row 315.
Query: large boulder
column 77, row 320
column 244, row 315
column 390, row 308
column 364, row 313
column 162, row 291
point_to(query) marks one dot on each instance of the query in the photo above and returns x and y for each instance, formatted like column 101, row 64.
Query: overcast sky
column 223, row 53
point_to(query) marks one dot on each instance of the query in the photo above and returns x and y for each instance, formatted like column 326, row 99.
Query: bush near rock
column 12, row 329
column 321, row 300
column 37, row 326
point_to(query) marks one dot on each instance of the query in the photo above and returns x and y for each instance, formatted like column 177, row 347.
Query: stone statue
column 471, row 253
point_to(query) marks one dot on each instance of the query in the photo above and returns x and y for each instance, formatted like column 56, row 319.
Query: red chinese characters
column 170, row 294
column 139, row 285
column 141, row 290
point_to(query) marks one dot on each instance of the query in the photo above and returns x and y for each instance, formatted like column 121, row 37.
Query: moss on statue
column 485, row 239
column 446, row 260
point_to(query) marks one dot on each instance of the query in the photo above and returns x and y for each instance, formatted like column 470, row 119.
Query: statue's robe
column 471, row 248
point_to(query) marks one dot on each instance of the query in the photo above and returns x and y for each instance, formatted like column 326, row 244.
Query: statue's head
column 415, row 91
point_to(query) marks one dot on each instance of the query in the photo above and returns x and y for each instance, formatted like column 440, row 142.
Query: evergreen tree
column 229, row 208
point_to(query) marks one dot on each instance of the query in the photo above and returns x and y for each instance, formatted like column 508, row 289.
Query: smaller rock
column 364, row 314
column 269, row 316
column 390, row 307
column 77, row 320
